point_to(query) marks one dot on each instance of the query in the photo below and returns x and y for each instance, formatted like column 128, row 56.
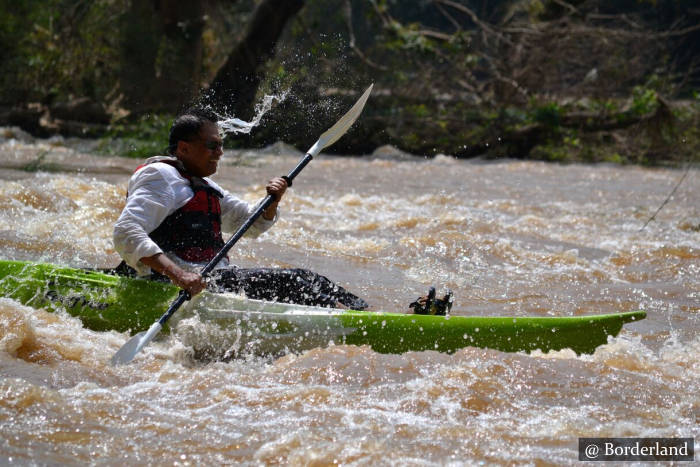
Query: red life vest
column 193, row 232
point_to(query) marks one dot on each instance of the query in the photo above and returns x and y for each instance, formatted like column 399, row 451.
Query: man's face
column 201, row 155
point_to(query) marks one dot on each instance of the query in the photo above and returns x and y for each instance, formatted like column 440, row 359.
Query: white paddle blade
column 341, row 126
column 134, row 345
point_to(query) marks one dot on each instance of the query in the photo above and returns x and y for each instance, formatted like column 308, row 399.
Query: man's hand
column 275, row 188
column 189, row 281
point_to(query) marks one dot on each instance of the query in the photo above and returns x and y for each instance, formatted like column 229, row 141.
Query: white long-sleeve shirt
column 156, row 191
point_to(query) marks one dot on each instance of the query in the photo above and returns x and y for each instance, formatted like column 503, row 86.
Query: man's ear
column 182, row 147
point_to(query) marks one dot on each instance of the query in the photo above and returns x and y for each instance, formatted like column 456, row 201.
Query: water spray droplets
column 237, row 126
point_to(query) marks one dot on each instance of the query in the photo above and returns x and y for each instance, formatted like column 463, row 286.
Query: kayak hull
column 233, row 324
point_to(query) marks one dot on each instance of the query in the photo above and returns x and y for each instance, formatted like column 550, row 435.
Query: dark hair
column 187, row 125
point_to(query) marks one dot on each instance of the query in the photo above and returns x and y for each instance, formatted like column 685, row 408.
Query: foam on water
column 511, row 238
column 344, row 404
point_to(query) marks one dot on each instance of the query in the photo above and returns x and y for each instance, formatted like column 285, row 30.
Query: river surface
column 508, row 237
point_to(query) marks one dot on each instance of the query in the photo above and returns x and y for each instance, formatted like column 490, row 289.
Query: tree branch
column 347, row 12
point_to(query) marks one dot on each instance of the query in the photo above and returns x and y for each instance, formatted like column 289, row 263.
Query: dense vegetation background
column 588, row 80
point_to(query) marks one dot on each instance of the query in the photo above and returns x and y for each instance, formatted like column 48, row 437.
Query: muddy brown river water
column 508, row 237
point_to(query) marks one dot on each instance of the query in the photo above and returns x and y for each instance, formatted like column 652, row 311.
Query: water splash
column 237, row 126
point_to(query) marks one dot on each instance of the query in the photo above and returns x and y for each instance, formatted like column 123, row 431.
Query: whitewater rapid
column 514, row 238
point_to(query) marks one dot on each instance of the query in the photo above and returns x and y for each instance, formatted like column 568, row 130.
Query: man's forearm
column 190, row 281
column 271, row 211
column 163, row 265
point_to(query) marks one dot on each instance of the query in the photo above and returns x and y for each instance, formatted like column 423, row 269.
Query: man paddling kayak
column 174, row 214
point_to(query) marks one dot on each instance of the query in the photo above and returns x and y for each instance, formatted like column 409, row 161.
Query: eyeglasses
column 213, row 145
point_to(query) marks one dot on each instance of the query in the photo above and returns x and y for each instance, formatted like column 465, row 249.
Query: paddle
column 140, row 340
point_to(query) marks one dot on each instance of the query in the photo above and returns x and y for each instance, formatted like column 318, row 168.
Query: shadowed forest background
column 587, row 81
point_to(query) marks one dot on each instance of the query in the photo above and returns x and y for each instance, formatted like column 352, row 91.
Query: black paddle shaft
column 185, row 295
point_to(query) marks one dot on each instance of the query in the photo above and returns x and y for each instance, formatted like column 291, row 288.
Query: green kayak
column 108, row 302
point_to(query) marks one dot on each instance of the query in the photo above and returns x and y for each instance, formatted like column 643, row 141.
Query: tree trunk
column 162, row 49
column 236, row 83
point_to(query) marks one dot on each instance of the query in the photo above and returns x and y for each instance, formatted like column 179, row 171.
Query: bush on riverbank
column 144, row 137
column 643, row 129
column 559, row 81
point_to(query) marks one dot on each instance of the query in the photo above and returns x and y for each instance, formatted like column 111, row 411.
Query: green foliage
column 409, row 37
column 550, row 152
column 535, row 8
column 614, row 158
column 514, row 116
column 548, row 114
column 450, row 79
column 145, row 137
column 59, row 48
column 418, row 111
column 644, row 101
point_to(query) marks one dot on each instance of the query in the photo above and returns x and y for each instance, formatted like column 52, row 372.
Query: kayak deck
column 108, row 302
column 278, row 327
column 102, row 301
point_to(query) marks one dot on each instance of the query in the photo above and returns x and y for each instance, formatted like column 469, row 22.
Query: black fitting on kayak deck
column 429, row 305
